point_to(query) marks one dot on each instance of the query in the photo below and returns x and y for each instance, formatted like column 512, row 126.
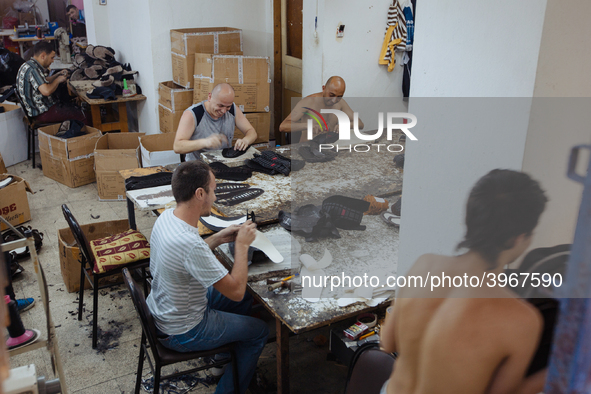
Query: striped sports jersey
column 183, row 267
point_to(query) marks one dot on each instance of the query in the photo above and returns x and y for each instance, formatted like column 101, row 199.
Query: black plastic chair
column 369, row 369
column 86, row 267
column 32, row 126
column 161, row 355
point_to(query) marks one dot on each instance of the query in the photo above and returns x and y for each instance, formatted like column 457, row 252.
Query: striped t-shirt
column 183, row 267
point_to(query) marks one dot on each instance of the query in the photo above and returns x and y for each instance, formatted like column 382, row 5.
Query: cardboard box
column 14, row 205
column 206, row 40
column 250, row 76
column 174, row 97
column 114, row 152
column 169, row 119
column 261, row 121
column 68, row 161
column 70, row 254
column 13, row 135
column 157, row 150
column 183, row 67
column 2, row 166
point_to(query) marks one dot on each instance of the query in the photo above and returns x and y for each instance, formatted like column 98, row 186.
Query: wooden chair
column 161, row 355
column 87, row 265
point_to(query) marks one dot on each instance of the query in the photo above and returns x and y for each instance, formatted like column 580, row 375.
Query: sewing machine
column 64, row 45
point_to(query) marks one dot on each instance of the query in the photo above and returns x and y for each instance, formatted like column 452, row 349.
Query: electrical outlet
column 340, row 31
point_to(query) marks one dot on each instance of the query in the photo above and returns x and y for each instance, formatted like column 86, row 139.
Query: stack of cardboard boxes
column 204, row 57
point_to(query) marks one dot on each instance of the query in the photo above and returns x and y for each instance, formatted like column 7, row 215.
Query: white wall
column 97, row 23
column 139, row 30
column 562, row 119
column 355, row 56
column 464, row 49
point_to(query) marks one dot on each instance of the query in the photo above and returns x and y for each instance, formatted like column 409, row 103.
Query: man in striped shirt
column 196, row 303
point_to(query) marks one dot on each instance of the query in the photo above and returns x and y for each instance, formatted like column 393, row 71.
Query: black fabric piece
column 152, row 180
column 399, row 160
column 255, row 255
column 237, row 197
column 232, row 110
column 406, row 75
column 9, row 64
column 312, row 154
column 254, row 166
column 293, row 165
column 326, row 138
column 199, row 111
column 231, row 152
column 103, row 92
column 346, row 212
column 224, row 218
column 230, row 187
column 6, row 95
column 310, row 221
column 222, row 171
column 273, row 162
column 70, row 129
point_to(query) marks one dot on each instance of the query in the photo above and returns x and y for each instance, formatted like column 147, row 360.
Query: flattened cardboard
column 261, row 121
column 174, row 97
column 183, row 68
column 14, row 204
column 68, row 161
column 114, row 152
column 169, row 119
column 157, row 150
column 206, row 40
column 250, row 76
column 70, row 253
column 13, row 135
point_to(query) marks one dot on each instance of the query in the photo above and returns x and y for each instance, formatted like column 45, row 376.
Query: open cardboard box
column 14, row 204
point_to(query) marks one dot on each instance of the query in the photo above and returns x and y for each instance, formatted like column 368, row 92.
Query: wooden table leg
column 123, row 117
column 96, row 116
column 282, row 357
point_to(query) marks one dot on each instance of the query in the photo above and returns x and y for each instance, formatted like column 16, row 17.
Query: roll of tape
column 369, row 319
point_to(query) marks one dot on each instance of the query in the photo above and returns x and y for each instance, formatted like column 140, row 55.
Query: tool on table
column 281, row 283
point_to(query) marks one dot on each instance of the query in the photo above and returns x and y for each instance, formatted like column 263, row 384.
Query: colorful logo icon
column 317, row 117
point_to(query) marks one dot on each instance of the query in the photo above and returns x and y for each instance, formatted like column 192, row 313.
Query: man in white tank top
column 210, row 125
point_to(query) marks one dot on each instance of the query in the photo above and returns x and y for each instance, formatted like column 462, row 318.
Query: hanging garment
column 396, row 35
column 408, row 11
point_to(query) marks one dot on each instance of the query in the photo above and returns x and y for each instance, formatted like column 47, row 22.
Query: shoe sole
column 29, row 342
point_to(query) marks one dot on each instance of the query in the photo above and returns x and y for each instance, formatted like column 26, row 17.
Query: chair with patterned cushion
column 106, row 257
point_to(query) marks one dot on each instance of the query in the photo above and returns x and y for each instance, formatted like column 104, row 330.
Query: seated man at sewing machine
column 35, row 88
column 210, row 125
column 331, row 97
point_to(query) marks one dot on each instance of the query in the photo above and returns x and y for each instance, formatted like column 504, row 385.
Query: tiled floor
column 113, row 371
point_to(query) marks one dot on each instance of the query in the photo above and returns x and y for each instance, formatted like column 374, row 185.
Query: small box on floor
column 68, row 161
column 70, row 253
column 114, row 152
column 14, row 205
column 157, row 150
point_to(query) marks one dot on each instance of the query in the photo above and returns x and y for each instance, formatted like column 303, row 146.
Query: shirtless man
column 472, row 340
column 330, row 98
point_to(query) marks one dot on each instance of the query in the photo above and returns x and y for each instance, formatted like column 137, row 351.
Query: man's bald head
column 220, row 100
column 333, row 90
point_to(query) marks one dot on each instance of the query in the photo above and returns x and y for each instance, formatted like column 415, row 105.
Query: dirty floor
column 111, row 368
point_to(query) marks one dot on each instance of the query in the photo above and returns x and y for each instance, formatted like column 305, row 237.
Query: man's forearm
column 188, row 146
column 251, row 136
column 47, row 89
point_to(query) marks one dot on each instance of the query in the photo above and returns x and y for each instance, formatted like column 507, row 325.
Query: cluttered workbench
column 369, row 249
